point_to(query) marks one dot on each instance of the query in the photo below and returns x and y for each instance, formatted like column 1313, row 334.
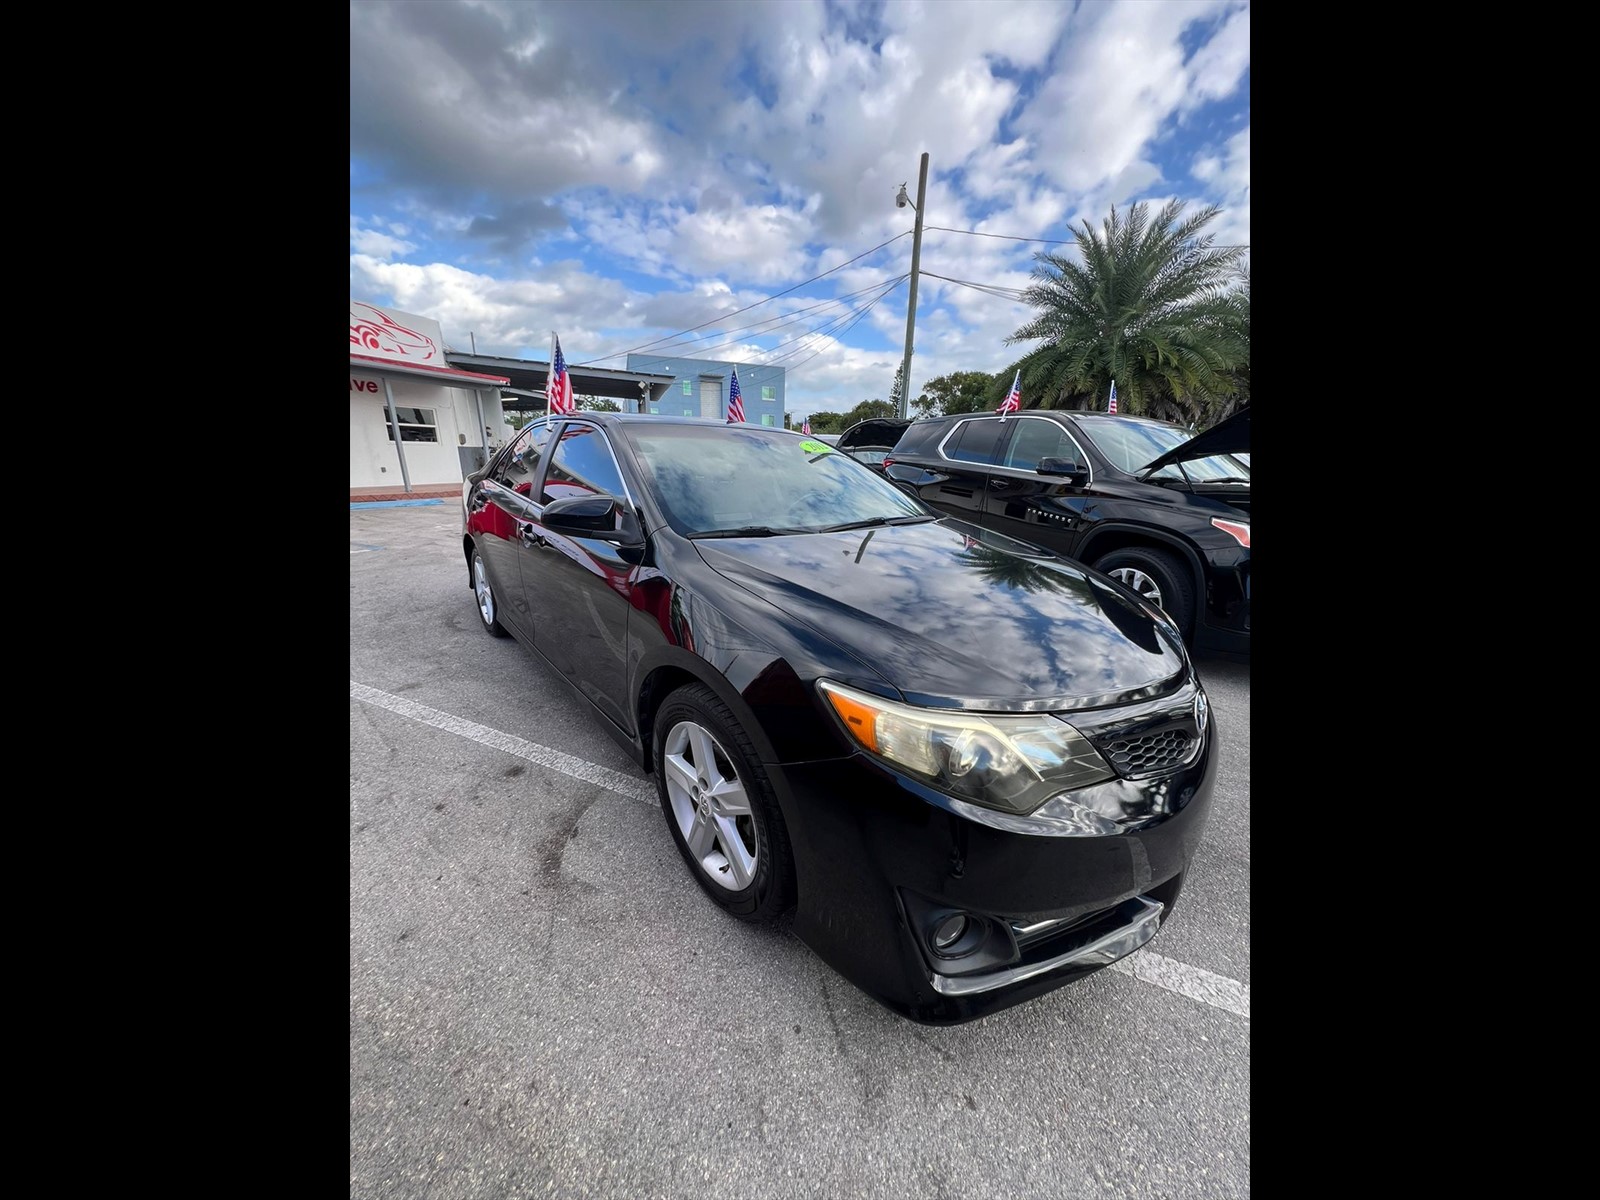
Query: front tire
column 720, row 806
column 488, row 604
column 1158, row 576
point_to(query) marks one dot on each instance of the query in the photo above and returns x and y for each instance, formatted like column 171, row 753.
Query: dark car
column 972, row 770
column 871, row 440
column 1160, row 511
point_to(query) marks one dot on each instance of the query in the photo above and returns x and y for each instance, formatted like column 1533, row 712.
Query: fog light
column 949, row 931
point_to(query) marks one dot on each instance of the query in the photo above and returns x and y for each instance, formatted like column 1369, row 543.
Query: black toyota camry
column 972, row 770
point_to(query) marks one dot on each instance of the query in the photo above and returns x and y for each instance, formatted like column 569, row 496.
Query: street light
column 916, row 265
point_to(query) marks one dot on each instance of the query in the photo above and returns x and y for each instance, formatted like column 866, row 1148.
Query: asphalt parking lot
column 542, row 1002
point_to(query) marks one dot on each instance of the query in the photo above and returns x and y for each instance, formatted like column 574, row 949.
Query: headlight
column 1013, row 763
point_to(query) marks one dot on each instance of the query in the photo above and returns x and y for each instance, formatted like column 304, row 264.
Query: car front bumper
column 888, row 869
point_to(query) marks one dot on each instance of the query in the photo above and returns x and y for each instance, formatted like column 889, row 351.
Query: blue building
column 700, row 388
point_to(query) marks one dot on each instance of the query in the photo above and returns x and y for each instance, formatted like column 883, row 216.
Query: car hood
column 875, row 431
column 951, row 614
column 1229, row 436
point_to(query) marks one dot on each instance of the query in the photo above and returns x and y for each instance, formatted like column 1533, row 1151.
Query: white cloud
column 623, row 171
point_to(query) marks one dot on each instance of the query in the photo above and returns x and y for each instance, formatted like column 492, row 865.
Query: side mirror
column 598, row 517
column 1063, row 466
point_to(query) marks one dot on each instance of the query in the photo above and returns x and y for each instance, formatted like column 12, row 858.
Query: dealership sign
column 398, row 336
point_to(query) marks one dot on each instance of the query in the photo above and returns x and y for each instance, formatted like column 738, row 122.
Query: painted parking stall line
column 555, row 760
column 1193, row 983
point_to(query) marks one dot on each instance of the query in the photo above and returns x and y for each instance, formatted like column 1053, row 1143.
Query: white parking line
column 615, row 781
column 1195, row 983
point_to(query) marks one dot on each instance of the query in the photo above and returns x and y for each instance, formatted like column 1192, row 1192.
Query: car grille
column 1155, row 737
column 1135, row 757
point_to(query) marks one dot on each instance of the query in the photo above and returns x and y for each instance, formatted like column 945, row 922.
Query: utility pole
column 916, row 264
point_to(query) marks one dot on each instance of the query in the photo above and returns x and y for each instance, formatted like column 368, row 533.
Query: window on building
column 416, row 425
column 582, row 465
column 768, row 419
column 655, row 408
column 769, row 392
column 688, row 388
column 691, row 412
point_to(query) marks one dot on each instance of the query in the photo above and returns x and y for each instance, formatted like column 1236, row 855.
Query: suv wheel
column 1158, row 576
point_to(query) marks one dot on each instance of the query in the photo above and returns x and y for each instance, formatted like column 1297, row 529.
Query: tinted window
column 517, row 469
column 581, row 465
column 977, row 442
column 1033, row 438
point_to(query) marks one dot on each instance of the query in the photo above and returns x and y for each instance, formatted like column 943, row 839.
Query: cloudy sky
column 637, row 175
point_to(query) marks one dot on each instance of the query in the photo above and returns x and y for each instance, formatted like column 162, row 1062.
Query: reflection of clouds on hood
column 940, row 616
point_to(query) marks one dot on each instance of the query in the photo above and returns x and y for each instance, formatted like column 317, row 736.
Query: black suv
column 1139, row 500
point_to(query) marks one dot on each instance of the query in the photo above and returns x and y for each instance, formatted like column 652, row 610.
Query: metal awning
column 451, row 376
column 527, row 379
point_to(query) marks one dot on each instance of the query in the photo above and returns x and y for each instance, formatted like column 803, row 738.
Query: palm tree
column 1151, row 306
column 1240, row 317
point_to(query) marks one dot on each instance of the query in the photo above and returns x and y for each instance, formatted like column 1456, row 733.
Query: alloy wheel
column 480, row 585
column 710, row 805
column 1138, row 581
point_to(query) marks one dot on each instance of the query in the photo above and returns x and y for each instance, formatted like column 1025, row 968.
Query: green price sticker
column 811, row 447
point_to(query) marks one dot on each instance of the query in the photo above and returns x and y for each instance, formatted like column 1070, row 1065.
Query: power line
column 792, row 369
column 1007, row 236
column 748, row 307
column 797, row 340
column 992, row 289
column 1050, row 241
column 775, row 322
column 831, row 328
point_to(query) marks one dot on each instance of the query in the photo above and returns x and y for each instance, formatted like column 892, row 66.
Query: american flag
column 1112, row 407
column 735, row 401
column 805, row 426
column 558, row 390
column 1013, row 401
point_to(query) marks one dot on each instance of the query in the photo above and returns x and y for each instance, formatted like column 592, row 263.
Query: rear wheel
column 720, row 806
column 488, row 606
column 1158, row 576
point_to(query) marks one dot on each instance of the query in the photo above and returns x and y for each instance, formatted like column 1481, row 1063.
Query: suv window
column 976, row 441
column 582, row 465
column 1033, row 438
column 517, row 469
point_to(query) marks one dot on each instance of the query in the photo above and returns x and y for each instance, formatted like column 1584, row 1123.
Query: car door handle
column 530, row 539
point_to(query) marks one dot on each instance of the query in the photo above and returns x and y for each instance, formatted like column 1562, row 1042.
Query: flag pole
column 549, row 375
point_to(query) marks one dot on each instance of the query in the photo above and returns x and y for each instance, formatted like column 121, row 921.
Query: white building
column 448, row 420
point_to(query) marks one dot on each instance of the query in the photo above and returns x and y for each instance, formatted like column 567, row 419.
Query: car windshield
column 1131, row 444
column 716, row 479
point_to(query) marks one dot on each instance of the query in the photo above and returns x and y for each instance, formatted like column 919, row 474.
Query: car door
column 1047, row 510
column 960, row 468
column 499, row 506
column 578, row 589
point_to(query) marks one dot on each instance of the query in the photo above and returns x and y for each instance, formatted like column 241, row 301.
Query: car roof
column 1061, row 413
column 612, row 418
